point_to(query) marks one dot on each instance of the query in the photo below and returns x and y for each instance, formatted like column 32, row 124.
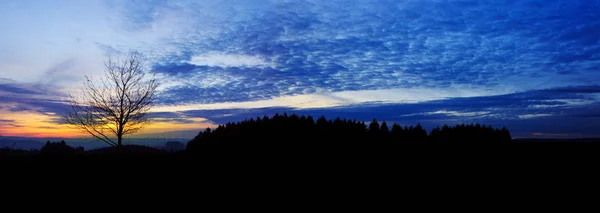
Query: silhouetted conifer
column 384, row 128
column 374, row 127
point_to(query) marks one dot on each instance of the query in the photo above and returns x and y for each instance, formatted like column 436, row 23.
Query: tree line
column 290, row 129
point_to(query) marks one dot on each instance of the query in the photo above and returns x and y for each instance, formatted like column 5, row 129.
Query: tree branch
column 118, row 104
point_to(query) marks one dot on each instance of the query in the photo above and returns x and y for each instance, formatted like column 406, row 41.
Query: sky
column 530, row 65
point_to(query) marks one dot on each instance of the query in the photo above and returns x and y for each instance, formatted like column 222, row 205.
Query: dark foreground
column 304, row 163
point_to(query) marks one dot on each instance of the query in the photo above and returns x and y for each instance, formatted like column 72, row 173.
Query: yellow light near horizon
column 161, row 126
column 37, row 125
column 30, row 124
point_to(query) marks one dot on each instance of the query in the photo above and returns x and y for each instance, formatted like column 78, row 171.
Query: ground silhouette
column 288, row 144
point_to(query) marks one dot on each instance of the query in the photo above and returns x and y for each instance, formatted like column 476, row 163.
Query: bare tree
column 118, row 104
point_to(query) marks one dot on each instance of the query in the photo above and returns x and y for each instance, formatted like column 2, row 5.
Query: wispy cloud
column 215, row 59
column 333, row 47
column 518, row 111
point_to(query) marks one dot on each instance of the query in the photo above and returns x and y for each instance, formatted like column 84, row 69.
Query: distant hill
column 173, row 146
column 25, row 143
column 126, row 149
column 557, row 140
column 20, row 143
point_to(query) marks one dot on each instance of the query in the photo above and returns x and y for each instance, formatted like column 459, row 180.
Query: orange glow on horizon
column 37, row 125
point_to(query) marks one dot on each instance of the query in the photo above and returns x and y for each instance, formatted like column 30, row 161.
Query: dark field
column 219, row 163
column 292, row 149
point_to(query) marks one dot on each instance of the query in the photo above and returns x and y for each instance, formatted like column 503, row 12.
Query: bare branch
column 117, row 104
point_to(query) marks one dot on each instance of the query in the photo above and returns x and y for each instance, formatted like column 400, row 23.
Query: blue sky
column 530, row 65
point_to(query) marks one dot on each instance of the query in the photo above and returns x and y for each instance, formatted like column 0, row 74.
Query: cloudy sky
column 530, row 65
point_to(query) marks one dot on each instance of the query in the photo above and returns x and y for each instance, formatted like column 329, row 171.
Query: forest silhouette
column 294, row 129
column 294, row 137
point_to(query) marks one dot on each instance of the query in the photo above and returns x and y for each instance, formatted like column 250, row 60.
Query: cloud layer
column 333, row 46
column 570, row 111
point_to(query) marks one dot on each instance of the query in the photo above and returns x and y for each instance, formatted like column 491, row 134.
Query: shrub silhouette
column 59, row 148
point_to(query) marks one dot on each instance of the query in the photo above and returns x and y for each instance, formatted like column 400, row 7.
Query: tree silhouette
column 294, row 130
column 115, row 106
column 59, row 148
column 374, row 127
column 469, row 134
column 384, row 128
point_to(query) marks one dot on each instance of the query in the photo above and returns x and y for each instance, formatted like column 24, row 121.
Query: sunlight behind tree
column 117, row 104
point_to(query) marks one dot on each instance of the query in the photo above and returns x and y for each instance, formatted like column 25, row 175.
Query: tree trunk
column 119, row 140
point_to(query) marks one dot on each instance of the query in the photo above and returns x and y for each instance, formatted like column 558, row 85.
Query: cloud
column 551, row 135
column 4, row 80
column 297, row 47
column 528, row 116
column 43, row 106
column 27, row 97
column 16, row 89
column 174, row 118
column 300, row 47
column 459, row 99
column 521, row 122
column 575, row 89
column 226, row 60
column 519, row 111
